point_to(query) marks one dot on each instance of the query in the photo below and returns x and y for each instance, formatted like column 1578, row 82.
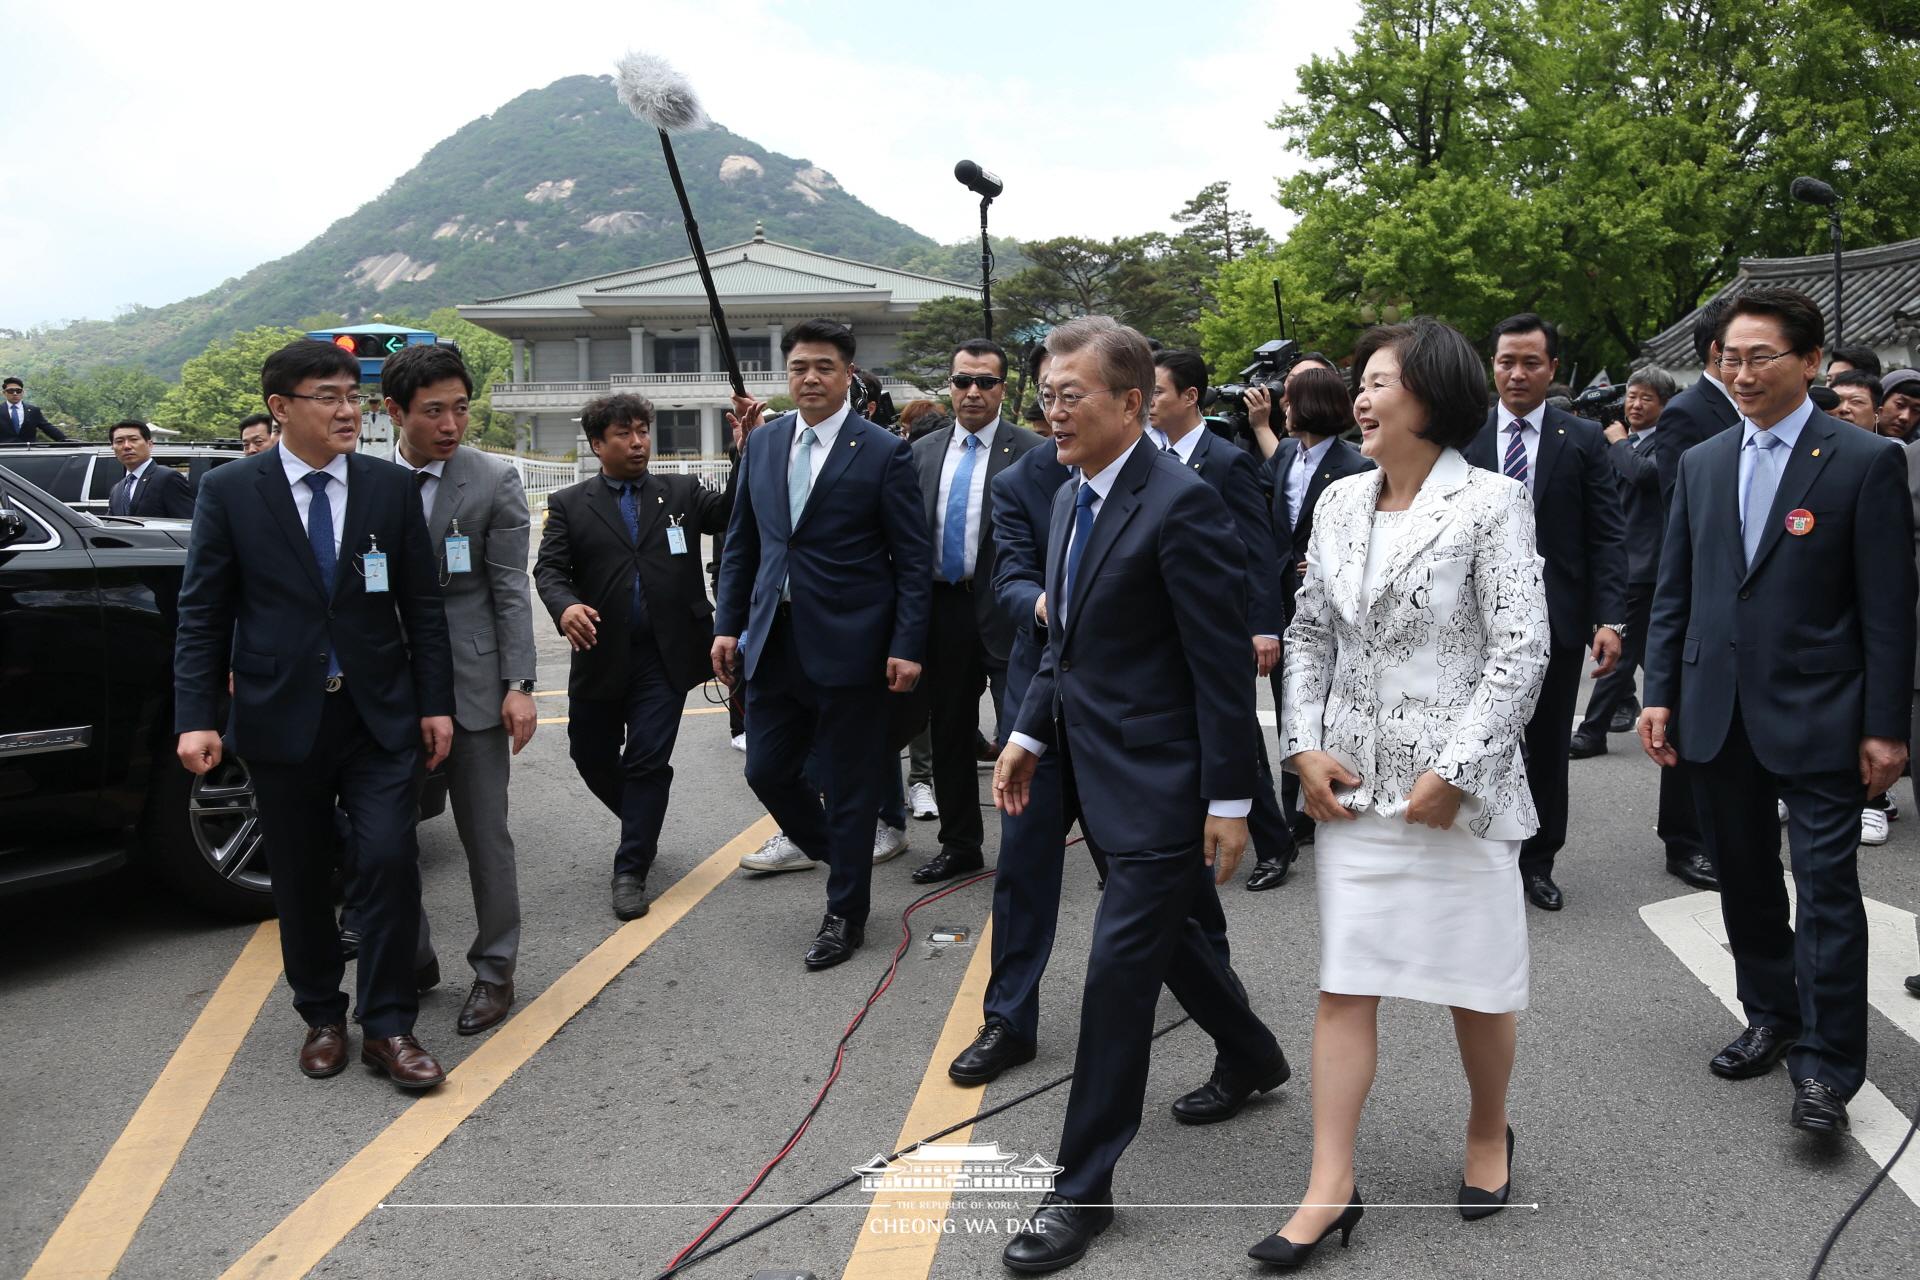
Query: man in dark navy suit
column 1581, row 531
column 968, row 638
column 310, row 578
column 1176, row 427
column 1780, row 665
column 1311, row 457
column 824, row 591
column 20, row 421
column 1143, row 689
column 147, row 489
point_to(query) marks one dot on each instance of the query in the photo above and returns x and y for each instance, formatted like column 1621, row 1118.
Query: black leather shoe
column 1057, row 1235
column 1913, row 985
column 1543, row 893
column 1626, row 717
column 1818, row 1109
column 836, row 941
column 1269, row 873
column 947, row 864
column 1753, row 1054
column 1221, row 1097
column 427, row 976
column 1476, row 1203
column 1585, row 747
column 994, row 1050
column 629, row 896
column 1695, row 870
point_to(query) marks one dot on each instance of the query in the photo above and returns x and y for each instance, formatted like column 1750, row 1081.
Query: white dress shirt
column 1529, row 437
column 137, row 473
column 336, row 469
column 1300, row 476
column 1102, row 485
column 823, row 438
column 976, row 491
column 433, row 470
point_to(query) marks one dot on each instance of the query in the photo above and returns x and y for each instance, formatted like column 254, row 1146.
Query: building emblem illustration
column 958, row 1167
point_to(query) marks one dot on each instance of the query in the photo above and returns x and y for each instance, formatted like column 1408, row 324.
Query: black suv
column 88, row 774
column 83, row 475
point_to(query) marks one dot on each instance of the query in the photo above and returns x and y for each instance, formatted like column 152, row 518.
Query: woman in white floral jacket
column 1412, row 666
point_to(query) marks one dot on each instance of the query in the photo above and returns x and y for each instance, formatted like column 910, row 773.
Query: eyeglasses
column 1759, row 363
column 1378, row 384
column 328, row 400
column 1068, row 401
column 968, row 381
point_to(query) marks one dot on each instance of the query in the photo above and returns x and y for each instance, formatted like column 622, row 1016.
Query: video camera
column 1271, row 363
column 1602, row 404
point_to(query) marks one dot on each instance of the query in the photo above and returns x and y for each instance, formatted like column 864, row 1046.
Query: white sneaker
column 1783, row 811
column 777, row 854
column 888, row 842
column 920, row 800
column 739, row 742
column 1873, row 827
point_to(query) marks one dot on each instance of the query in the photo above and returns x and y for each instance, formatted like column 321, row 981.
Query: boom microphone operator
column 986, row 185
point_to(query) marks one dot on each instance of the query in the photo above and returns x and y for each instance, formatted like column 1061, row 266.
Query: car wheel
column 205, row 838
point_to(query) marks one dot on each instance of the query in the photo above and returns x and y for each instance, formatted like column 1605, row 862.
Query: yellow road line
column 308, row 1234
column 888, row 1249
column 94, row 1235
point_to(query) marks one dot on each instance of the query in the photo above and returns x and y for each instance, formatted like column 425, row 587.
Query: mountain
column 558, row 184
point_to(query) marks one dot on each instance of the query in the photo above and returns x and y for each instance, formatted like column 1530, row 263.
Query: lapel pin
column 1816, row 453
column 658, row 498
column 1563, row 431
column 1800, row 522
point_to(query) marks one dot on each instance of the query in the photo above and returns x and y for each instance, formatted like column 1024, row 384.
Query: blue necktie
column 1515, row 464
column 800, row 477
column 1082, row 526
column 630, row 512
column 953, row 536
column 1756, row 503
column 320, row 538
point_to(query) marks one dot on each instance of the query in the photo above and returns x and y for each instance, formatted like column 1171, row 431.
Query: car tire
column 202, row 834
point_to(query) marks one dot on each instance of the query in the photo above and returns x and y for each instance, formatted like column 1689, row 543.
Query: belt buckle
column 334, row 683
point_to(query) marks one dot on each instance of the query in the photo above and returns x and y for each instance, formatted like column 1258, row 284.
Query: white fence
column 541, row 476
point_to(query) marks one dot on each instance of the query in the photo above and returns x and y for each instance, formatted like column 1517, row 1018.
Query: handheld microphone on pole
column 1813, row 191
column 661, row 96
column 986, row 185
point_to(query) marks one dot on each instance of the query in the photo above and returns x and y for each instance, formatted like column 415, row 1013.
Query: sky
column 142, row 155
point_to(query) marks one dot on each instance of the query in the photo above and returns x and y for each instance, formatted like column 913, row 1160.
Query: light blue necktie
column 800, row 477
column 953, row 536
column 1082, row 528
column 1756, row 503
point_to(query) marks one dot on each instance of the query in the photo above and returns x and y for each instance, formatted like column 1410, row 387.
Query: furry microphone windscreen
column 658, row 94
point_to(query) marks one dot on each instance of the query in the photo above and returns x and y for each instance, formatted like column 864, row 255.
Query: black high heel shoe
column 1476, row 1204
column 1278, row 1251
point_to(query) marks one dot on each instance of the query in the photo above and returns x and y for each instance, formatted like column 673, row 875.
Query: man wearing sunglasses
column 968, row 639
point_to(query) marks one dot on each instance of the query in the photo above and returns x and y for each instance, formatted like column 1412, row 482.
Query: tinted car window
column 60, row 474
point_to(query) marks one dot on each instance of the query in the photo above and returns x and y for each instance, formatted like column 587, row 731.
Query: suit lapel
column 278, row 497
column 650, row 506
column 999, row 458
column 1115, row 511
column 1810, row 454
column 353, row 527
column 1553, row 436
column 1429, row 516
column 846, row 443
column 446, row 498
column 606, row 503
column 1349, row 571
column 1202, row 448
column 930, row 484
column 776, row 443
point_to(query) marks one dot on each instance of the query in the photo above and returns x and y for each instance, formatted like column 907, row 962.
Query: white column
column 710, row 432
column 637, row 342
column 706, row 348
column 584, row 346
column 775, row 332
column 519, row 346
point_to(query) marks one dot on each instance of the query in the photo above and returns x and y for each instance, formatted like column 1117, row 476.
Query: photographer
column 1259, row 402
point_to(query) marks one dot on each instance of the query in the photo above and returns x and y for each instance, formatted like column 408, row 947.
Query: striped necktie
column 1515, row 464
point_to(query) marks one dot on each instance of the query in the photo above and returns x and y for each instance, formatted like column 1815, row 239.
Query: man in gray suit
column 477, row 521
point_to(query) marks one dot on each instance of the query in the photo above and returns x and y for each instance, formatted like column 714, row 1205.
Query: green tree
column 221, row 385
column 84, row 404
column 1218, row 231
column 926, row 345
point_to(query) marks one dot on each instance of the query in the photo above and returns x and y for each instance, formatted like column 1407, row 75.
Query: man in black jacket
column 146, row 489
column 310, row 579
column 619, row 570
column 1562, row 460
column 20, row 421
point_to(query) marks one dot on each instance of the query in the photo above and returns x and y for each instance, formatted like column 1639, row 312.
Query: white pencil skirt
column 1422, row 914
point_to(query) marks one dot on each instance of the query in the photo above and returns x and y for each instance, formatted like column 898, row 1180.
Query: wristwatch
column 1618, row 628
column 520, row 686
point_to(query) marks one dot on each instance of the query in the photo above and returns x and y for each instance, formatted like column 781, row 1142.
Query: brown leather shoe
column 325, row 1051
column 486, row 1005
column 404, row 1061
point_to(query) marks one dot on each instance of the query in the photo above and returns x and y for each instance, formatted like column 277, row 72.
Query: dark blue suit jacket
column 1816, row 642
column 1338, row 462
column 1145, row 680
column 1022, row 516
column 1235, row 476
column 1636, row 464
column 31, row 421
column 252, row 602
column 859, row 560
column 1580, row 525
column 1697, row 414
column 162, row 491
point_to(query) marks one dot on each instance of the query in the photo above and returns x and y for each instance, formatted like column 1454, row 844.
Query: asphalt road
column 618, row 1137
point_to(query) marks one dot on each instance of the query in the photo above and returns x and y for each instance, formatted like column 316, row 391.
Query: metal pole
column 700, row 260
column 986, row 272
column 1833, row 215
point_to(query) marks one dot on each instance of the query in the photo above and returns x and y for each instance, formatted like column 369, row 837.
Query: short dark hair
column 1797, row 315
column 1036, row 356
column 12, row 382
column 831, row 332
column 1439, row 368
column 1860, row 378
column 1186, row 368
column 1707, row 324
column 1034, row 413
column 1858, row 354
column 981, row 347
column 412, row 368
column 1320, row 357
column 1527, row 322
column 301, row 359
column 1318, row 403
column 610, row 411
column 1824, row 398
column 255, row 420
column 131, row 424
